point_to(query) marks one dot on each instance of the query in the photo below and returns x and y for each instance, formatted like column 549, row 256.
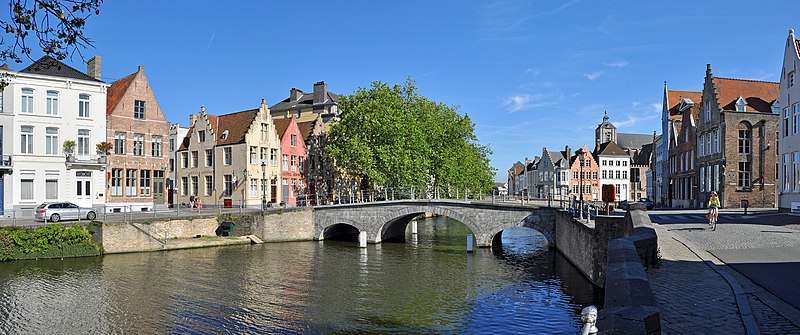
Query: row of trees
column 391, row 136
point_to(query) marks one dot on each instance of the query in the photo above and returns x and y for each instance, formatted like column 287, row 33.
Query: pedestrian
column 713, row 207
column 191, row 201
column 199, row 203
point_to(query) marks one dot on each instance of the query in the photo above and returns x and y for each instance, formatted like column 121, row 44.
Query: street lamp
column 244, row 188
column 263, row 185
column 580, row 210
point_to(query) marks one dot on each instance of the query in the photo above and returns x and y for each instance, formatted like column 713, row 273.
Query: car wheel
column 91, row 216
column 55, row 218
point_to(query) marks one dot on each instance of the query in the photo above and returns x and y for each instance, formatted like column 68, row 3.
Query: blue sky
column 529, row 73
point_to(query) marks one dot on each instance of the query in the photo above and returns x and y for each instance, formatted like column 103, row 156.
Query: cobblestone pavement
column 753, row 234
column 693, row 298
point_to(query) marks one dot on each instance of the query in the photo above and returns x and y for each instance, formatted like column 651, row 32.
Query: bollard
column 362, row 239
column 469, row 243
column 589, row 320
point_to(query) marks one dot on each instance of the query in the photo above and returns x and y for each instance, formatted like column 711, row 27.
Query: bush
column 51, row 241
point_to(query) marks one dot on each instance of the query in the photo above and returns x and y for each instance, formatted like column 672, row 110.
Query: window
column 138, row 109
column 605, row 175
column 716, row 140
column 624, row 174
column 83, row 105
column 617, row 174
column 116, row 182
column 744, row 175
column 209, row 186
column 138, row 144
column 273, row 157
column 194, row 159
column 701, row 145
column 51, row 141
column 156, row 146
column 226, row 152
column 201, row 136
column 294, row 163
column 796, row 171
column 791, row 79
column 575, row 175
column 741, row 105
column 285, row 162
column 228, row 185
column 301, row 164
column 264, row 155
column 709, row 149
column 144, row 182
column 264, row 131
column 119, row 143
column 26, row 143
column 253, row 155
column 293, row 140
column 51, row 189
column 171, row 165
column 745, row 135
column 195, row 185
column 1, row 101
column 130, row 183
column 293, row 189
column 795, row 117
column 27, row 100
column 708, row 111
column 171, row 144
column 619, row 163
column 184, row 160
column 83, row 142
column 786, row 121
column 26, row 189
column 575, row 188
column 702, row 179
column 604, row 162
column 253, row 187
column 594, row 175
column 209, row 157
column 52, row 103
column 624, row 163
column 184, row 185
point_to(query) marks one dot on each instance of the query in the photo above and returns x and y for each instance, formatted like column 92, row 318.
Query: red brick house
column 588, row 176
column 138, row 130
column 682, row 155
column 293, row 161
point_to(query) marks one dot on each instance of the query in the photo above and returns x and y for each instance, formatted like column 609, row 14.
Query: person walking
column 713, row 208
column 199, row 203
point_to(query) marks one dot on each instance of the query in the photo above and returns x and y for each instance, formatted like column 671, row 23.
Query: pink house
column 293, row 161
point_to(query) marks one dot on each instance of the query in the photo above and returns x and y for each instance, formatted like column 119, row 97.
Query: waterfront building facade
column 293, row 161
column 138, row 130
column 45, row 105
column 176, row 136
column 682, row 170
column 585, row 175
column 788, row 134
column 614, row 166
column 737, row 123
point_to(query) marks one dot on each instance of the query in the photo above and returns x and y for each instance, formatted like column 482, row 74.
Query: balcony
column 86, row 162
column 5, row 164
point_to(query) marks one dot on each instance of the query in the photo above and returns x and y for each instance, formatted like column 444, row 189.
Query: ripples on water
column 428, row 285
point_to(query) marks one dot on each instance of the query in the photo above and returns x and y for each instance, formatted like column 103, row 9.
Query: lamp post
column 263, row 185
column 244, row 188
column 580, row 210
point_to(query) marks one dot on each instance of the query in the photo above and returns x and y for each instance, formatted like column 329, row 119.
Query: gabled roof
column 633, row 141
column 236, row 124
column 797, row 46
column 643, row 157
column 554, row 156
column 610, row 148
column 304, row 100
column 281, row 125
column 759, row 94
column 675, row 97
column 117, row 90
column 306, row 128
column 50, row 66
column 185, row 140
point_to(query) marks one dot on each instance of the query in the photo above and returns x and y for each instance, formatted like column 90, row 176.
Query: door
column 274, row 189
column 83, row 188
column 158, row 187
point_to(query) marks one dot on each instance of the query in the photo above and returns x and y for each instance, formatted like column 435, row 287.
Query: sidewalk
column 699, row 293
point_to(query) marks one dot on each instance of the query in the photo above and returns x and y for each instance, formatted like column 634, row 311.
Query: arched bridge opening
column 341, row 232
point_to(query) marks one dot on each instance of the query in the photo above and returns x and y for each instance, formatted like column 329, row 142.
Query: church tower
column 605, row 132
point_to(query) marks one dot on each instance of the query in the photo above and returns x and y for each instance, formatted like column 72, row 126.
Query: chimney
column 93, row 67
column 294, row 94
column 320, row 92
column 568, row 151
column 192, row 119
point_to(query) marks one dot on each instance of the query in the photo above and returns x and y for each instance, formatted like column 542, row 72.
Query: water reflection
column 429, row 287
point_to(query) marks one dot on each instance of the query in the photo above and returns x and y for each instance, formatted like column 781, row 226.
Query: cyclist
column 713, row 207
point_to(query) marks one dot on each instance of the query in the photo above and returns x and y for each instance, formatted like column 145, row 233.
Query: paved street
column 744, row 274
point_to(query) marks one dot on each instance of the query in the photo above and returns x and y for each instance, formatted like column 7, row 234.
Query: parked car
column 647, row 202
column 57, row 211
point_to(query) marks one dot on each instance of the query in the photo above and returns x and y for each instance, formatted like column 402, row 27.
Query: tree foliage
column 392, row 136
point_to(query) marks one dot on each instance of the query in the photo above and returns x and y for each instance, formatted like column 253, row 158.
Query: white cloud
column 635, row 104
column 594, row 75
column 618, row 64
column 526, row 101
column 657, row 106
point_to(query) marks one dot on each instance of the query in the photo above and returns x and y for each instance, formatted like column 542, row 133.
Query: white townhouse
column 44, row 105
column 615, row 168
column 788, row 134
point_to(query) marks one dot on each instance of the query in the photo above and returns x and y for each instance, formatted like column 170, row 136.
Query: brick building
column 737, row 129
column 681, row 168
column 293, row 158
column 137, row 128
column 588, row 175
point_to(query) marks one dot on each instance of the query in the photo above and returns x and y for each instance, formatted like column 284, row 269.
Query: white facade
column 615, row 170
column 40, row 112
column 788, row 133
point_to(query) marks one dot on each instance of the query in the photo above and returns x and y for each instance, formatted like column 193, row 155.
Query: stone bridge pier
column 387, row 221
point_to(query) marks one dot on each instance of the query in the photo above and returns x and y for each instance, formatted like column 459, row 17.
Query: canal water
column 428, row 285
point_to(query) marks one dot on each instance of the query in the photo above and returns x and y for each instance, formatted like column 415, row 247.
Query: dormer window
column 741, row 105
column 225, row 134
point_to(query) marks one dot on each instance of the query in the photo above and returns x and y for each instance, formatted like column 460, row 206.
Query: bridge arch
column 337, row 223
column 533, row 221
column 393, row 225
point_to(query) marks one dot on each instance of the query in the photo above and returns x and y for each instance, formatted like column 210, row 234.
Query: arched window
column 745, row 138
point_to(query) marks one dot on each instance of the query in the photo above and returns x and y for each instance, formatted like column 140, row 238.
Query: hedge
column 51, row 241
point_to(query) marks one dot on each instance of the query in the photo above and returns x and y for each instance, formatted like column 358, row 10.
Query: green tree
column 392, row 136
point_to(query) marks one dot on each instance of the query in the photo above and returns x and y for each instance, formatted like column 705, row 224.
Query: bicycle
column 712, row 218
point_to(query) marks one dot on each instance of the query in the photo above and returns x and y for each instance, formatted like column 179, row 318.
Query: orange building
column 586, row 176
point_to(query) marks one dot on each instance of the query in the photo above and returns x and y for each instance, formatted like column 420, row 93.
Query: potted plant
column 103, row 149
column 69, row 149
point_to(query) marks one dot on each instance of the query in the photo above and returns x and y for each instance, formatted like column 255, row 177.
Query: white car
column 57, row 211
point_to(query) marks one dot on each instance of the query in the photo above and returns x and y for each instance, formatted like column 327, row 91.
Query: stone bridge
column 385, row 221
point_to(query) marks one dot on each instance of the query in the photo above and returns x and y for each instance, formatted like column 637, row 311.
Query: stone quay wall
column 151, row 236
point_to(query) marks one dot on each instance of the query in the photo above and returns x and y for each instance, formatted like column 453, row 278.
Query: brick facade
column 590, row 179
column 682, row 167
